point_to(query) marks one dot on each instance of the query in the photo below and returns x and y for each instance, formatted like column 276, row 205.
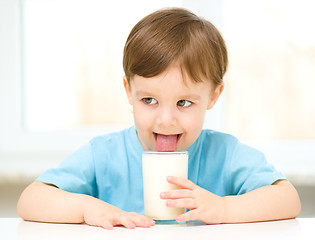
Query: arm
column 274, row 202
column 277, row 201
column 47, row 203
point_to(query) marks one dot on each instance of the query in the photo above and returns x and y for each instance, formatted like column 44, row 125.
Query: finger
column 107, row 225
column 181, row 182
column 126, row 221
column 142, row 221
column 187, row 216
column 178, row 193
column 182, row 203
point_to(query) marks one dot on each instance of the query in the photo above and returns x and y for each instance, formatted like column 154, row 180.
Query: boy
column 174, row 64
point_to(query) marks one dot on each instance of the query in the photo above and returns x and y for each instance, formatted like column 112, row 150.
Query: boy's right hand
column 102, row 214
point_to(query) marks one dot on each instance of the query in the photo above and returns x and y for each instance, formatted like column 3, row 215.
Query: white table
column 301, row 228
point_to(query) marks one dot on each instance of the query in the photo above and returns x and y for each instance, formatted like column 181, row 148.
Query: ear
column 215, row 96
column 127, row 89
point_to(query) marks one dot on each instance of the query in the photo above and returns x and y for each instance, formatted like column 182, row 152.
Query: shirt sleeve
column 249, row 170
column 74, row 174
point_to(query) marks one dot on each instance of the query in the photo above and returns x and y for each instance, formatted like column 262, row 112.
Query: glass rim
column 166, row 153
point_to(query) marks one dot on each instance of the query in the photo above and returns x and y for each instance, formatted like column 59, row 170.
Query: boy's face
column 165, row 108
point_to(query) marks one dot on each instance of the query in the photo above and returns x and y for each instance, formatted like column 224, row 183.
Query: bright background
column 61, row 81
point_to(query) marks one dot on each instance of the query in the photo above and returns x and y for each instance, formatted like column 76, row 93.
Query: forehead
column 173, row 81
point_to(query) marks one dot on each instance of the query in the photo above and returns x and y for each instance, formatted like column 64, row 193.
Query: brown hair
column 175, row 34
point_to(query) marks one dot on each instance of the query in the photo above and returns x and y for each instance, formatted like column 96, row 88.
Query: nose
column 167, row 117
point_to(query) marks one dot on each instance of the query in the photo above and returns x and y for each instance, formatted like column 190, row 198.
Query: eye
column 184, row 103
column 149, row 100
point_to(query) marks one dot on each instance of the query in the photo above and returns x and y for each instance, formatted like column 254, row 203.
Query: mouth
column 166, row 143
column 178, row 136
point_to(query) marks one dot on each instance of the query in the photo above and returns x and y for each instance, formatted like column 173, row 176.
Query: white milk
column 156, row 167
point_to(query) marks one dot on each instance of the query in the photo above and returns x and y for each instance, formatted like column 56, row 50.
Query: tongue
column 165, row 143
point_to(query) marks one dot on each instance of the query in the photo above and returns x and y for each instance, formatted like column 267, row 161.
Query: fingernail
column 132, row 225
column 169, row 178
column 162, row 195
column 108, row 227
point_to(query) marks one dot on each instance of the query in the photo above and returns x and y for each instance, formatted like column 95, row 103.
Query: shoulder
column 217, row 135
column 215, row 145
column 235, row 150
column 226, row 144
column 118, row 137
column 216, row 138
column 120, row 144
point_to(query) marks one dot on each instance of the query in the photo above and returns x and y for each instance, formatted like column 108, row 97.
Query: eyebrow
column 143, row 93
column 191, row 96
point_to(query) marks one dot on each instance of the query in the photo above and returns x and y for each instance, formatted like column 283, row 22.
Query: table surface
column 300, row 228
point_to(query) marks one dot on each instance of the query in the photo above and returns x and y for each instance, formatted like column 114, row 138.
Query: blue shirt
column 110, row 168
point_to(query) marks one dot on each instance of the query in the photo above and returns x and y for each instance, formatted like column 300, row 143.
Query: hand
column 204, row 205
column 101, row 214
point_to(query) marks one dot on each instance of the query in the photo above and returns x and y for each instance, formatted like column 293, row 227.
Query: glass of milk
column 156, row 167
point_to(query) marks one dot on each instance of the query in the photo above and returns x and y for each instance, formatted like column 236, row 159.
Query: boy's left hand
column 204, row 205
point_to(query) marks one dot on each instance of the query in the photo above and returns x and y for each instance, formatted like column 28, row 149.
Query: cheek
column 194, row 120
column 142, row 119
column 195, row 129
column 193, row 126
